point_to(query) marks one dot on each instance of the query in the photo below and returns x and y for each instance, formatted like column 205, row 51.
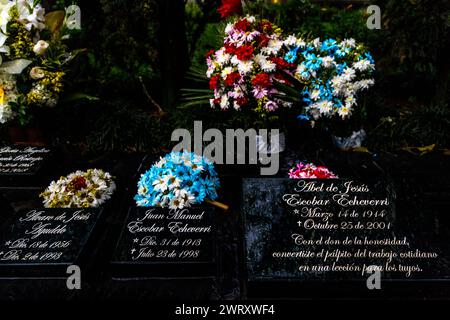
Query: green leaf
column 188, row 90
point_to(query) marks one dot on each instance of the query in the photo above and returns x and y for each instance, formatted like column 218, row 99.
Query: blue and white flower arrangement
column 332, row 72
column 178, row 180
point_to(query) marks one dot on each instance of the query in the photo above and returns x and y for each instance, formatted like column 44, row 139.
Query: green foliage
column 414, row 46
column 194, row 16
column 61, row 4
column 413, row 128
column 211, row 38
column 122, row 41
column 315, row 19
column 123, row 128
column 416, row 31
column 127, row 45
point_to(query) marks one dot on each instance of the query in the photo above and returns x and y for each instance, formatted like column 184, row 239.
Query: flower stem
column 219, row 205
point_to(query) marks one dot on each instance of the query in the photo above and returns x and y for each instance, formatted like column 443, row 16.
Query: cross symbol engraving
column 7, row 243
column 133, row 251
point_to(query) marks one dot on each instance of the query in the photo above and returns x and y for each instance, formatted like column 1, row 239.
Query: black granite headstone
column 44, row 242
column 157, row 242
column 20, row 166
column 21, row 160
column 333, row 230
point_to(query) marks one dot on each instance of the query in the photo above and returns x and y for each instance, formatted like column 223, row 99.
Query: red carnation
column 323, row 173
column 242, row 25
column 230, row 7
column 214, row 82
column 280, row 77
column 78, row 183
column 282, row 64
column 265, row 26
column 216, row 101
column 210, row 53
column 229, row 48
column 232, row 78
column 262, row 80
column 242, row 101
column 244, row 52
column 262, row 40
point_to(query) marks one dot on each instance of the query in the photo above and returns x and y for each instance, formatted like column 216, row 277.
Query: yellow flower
column 2, row 96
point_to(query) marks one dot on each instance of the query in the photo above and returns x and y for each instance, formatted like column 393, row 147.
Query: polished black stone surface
column 159, row 242
column 44, row 242
column 422, row 202
column 22, row 160
column 271, row 224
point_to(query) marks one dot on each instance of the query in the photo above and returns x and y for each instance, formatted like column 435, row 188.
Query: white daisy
column 237, row 92
column 172, row 181
column 250, row 19
column 315, row 94
column 363, row 65
column 290, row 40
column 349, row 74
column 349, row 43
column 224, row 102
column 344, row 112
column 350, row 101
column 176, row 203
column 267, row 66
column 160, row 185
column 222, row 57
column 316, row 43
column 328, row 61
column 273, row 46
column 245, row 67
column 187, row 197
column 229, row 28
column 325, row 107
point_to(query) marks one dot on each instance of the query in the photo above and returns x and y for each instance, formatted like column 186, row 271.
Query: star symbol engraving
column 136, row 240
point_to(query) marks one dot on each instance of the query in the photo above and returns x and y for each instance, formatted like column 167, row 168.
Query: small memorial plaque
column 22, row 160
column 334, row 230
column 157, row 242
column 44, row 242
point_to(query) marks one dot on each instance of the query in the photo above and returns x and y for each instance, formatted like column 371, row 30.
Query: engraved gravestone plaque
column 333, row 230
column 44, row 242
column 22, row 160
column 164, row 242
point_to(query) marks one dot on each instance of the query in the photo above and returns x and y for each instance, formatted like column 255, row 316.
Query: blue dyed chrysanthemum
column 178, row 180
